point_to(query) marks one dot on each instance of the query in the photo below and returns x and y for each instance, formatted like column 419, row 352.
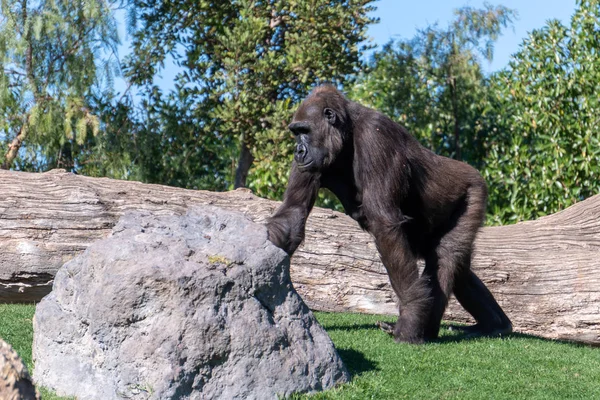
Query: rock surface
column 15, row 382
column 198, row 306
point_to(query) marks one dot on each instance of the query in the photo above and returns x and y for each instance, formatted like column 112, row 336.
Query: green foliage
column 176, row 143
column 50, row 52
column 245, row 65
column 114, row 151
column 543, row 154
column 273, row 154
column 433, row 83
column 531, row 129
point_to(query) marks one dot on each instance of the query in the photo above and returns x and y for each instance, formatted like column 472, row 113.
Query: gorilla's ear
column 330, row 115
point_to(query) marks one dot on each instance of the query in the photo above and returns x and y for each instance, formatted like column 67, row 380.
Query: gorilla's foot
column 387, row 327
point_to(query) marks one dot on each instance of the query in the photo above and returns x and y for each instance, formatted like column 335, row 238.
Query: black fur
column 415, row 203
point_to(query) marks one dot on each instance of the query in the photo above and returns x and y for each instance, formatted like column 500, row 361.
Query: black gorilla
column 415, row 203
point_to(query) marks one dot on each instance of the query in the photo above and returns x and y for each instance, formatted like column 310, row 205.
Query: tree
column 115, row 151
column 53, row 54
column 245, row 64
column 180, row 148
column 545, row 148
column 433, row 83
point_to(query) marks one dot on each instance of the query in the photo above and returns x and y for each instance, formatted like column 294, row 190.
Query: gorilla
column 416, row 205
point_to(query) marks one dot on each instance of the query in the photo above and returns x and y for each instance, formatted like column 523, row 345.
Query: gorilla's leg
column 442, row 269
column 475, row 297
column 452, row 257
column 413, row 293
column 440, row 291
column 448, row 269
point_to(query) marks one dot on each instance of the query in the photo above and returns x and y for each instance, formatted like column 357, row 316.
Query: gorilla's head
column 321, row 127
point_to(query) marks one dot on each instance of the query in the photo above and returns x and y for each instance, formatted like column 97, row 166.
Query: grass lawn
column 16, row 328
column 516, row 367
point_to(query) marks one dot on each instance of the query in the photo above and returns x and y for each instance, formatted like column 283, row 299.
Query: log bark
column 544, row 273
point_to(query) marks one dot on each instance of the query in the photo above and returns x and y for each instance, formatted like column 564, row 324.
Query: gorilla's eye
column 329, row 115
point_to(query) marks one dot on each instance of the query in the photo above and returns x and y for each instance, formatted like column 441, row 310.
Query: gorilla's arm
column 286, row 227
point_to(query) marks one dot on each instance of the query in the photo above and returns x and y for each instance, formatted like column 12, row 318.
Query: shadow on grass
column 356, row 363
column 466, row 336
column 458, row 336
column 453, row 337
column 350, row 328
column 573, row 343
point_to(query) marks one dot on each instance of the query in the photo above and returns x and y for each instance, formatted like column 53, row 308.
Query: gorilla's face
column 318, row 128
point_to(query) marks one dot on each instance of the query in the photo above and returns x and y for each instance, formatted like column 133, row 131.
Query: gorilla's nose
column 300, row 153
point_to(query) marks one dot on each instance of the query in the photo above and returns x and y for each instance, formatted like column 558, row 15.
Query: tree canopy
column 433, row 83
column 245, row 65
column 53, row 55
column 531, row 128
column 542, row 155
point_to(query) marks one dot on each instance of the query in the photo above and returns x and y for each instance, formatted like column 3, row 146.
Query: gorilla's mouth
column 306, row 165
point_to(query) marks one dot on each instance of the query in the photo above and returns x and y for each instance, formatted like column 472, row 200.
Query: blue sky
column 402, row 19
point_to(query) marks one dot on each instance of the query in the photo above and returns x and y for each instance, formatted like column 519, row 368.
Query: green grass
column 516, row 367
column 16, row 328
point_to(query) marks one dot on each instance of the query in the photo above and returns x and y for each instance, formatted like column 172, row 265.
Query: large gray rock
column 193, row 307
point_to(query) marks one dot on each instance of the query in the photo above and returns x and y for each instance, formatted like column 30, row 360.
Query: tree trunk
column 544, row 273
column 13, row 148
column 456, row 119
column 244, row 163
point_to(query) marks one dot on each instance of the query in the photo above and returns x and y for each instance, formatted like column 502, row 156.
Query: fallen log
column 544, row 273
